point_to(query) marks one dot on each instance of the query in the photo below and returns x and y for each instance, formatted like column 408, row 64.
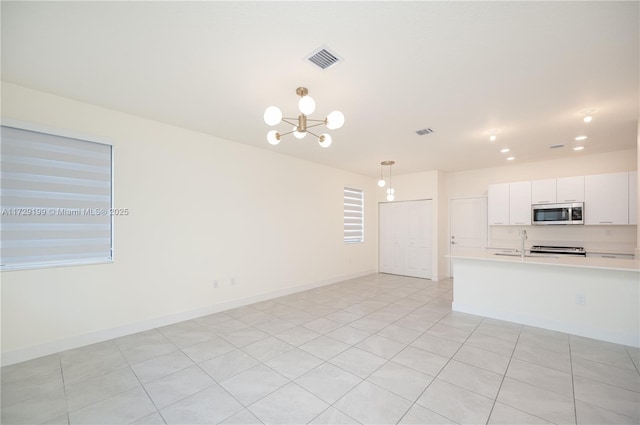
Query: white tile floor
column 380, row 349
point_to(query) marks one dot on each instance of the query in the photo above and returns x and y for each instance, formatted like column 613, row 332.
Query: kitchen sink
column 517, row 254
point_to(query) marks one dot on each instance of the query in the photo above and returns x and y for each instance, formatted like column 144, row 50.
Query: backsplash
column 619, row 239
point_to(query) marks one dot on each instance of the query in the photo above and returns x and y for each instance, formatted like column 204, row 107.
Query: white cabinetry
column 570, row 189
column 543, row 191
column 633, row 197
column 498, row 204
column 606, row 198
column 520, row 203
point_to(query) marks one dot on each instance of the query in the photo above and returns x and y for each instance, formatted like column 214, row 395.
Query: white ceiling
column 460, row 68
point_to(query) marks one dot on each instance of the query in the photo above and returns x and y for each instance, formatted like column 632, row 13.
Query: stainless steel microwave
column 543, row 214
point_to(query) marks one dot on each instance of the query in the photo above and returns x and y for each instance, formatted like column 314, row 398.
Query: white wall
column 476, row 182
column 201, row 208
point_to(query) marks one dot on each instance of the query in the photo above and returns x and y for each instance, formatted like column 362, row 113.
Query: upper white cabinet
column 570, row 189
column 633, row 197
column 520, row 203
column 543, row 191
column 606, row 199
column 563, row 190
column 498, row 204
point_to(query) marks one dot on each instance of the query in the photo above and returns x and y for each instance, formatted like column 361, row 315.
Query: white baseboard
column 52, row 347
column 569, row 328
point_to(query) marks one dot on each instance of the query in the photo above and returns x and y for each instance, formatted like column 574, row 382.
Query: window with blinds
column 56, row 200
column 353, row 215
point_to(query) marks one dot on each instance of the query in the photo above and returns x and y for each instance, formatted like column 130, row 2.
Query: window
column 353, row 215
column 56, row 200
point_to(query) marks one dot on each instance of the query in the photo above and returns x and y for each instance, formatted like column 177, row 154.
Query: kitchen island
column 592, row 297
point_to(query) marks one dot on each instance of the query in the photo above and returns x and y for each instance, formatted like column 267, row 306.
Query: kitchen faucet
column 523, row 237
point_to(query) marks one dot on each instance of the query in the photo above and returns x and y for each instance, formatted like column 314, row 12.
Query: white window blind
column 56, row 200
column 353, row 215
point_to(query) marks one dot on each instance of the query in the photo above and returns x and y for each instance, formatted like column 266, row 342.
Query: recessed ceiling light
column 587, row 118
column 578, row 148
column 492, row 137
column 511, row 158
column 581, row 138
column 505, row 150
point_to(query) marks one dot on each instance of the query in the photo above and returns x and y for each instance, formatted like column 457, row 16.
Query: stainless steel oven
column 544, row 214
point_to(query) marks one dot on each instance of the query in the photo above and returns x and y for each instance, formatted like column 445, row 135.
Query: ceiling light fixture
column 511, row 158
column 390, row 191
column 587, row 115
column 492, row 134
column 306, row 105
column 505, row 150
column 381, row 182
column 580, row 138
column 578, row 148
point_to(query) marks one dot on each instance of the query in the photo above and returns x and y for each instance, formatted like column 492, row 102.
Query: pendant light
column 390, row 191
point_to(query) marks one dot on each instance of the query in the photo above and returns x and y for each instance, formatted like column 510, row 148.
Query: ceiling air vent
column 323, row 58
column 557, row 146
column 424, row 131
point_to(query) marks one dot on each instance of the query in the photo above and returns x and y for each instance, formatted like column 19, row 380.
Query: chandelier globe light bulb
column 335, row 120
column 307, row 105
column 272, row 115
column 325, row 140
column 298, row 134
column 273, row 137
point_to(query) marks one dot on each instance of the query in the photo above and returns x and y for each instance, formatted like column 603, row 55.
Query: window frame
column 81, row 137
column 353, row 214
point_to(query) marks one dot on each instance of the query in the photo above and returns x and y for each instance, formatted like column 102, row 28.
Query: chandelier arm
column 290, row 132
column 313, row 134
column 289, row 122
column 315, row 125
column 309, row 119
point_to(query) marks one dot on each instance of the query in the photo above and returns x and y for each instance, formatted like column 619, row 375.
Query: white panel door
column 386, row 238
column 405, row 238
column 633, row 197
column 418, row 246
column 468, row 225
column 399, row 226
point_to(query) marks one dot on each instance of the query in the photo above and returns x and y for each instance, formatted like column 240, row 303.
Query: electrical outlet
column 580, row 299
column 215, row 283
column 233, row 280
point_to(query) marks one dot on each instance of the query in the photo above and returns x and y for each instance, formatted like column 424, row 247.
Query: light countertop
column 552, row 260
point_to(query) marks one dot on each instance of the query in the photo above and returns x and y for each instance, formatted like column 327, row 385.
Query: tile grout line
column 140, row 382
column 504, row 376
column 382, row 365
column 573, row 385
column 64, row 390
column 440, row 371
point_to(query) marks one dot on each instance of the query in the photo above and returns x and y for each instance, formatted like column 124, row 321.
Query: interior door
column 405, row 238
column 386, row 238
column 418, row 246
column 468, row 225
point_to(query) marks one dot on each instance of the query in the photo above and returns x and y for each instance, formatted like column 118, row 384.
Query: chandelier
column 382, row 183
column 301, row 126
